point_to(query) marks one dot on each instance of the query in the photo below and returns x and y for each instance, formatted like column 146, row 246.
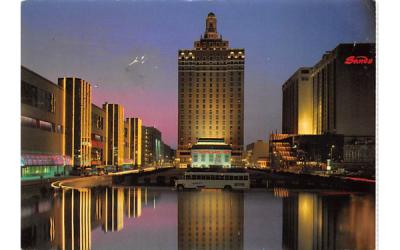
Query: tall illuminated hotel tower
column 210, row 92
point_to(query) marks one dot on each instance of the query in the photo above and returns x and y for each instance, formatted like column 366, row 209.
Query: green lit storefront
column 44, row 166
column 211, row 153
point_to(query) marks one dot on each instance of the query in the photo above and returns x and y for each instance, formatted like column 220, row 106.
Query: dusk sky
column 98, row 41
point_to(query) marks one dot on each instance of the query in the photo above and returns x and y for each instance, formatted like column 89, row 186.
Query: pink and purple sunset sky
column 98, row 40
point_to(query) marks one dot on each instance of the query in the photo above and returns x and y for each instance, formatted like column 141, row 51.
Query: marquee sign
column 358, row 60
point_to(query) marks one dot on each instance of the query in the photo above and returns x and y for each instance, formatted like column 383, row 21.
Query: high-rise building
column 114, row 147
column 98, row 135
column 42, row 128
column 133, row 139
column 210, row 92
column 151, row 143
column 78, row 119
column 297, row 103
column 344, row 91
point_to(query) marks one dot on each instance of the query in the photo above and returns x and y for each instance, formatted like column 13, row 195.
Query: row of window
column 204, row 100
column 43, row 125
column 210, row 73
column 211, row 96
column 223, row 134
column 210, row 127
column 215, row 84
column 197, row 62
column 216, row 177
column 189, row 139
column 196, row 120
column 190, row 90
column 210, row 111
column 204, row 96
column 36, row 97
column 191, row 67
column 211, row 79
column 216, row 115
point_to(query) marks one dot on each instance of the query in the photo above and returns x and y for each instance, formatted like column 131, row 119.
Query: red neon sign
column 358, row 60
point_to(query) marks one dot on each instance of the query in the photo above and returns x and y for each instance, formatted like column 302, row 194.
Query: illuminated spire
column 211, row 27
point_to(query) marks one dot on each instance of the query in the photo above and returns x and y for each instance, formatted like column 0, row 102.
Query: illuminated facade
column 98, row 135
column 42, row 128
column 335, row 96
column 114, row 147
column 210, row 219
column 77, row 106
column 344, row 91
column 210, row 92
column 297, row 103
column 133, row 141
column 211, row 153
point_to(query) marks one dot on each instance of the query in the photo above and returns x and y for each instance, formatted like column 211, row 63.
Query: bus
column 225, row 180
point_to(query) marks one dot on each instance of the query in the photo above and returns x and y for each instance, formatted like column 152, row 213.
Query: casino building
column 210, row 93
column 334, row 98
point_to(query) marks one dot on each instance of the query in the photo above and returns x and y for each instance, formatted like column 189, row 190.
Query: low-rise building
column 42, row 128
column 98, row 135
column 211, row 153
column 256, row 154
column 151, row 143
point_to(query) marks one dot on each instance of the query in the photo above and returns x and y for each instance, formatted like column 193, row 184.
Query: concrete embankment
column 261, row 178
column 84, row 182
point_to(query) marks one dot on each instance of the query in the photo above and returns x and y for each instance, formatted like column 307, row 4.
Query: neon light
column 358, row 60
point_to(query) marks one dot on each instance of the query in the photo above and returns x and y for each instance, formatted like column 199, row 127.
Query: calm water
column 160, row 218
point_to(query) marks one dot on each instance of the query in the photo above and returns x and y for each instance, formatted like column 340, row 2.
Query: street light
column 330, row 161
column 332, row 147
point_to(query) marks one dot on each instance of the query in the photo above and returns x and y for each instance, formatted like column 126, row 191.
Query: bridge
column 166, row 176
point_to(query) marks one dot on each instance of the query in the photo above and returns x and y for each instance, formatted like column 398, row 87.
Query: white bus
column 225, row 180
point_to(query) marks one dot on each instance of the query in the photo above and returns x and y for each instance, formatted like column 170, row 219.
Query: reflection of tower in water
column 210, row 219
column 113, row 204
column 70, row 225
column 70, row 228
column 133, row 202
column 328, row 221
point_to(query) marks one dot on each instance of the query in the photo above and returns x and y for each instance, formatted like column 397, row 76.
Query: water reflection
column 127, row 218
column 210, row 219
column 328, row 221
column 75, row 213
